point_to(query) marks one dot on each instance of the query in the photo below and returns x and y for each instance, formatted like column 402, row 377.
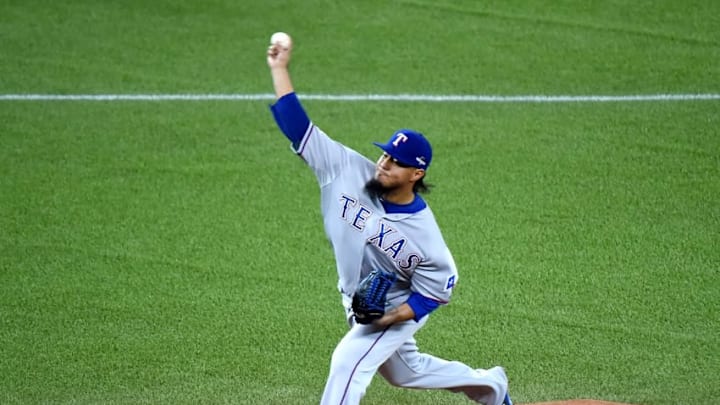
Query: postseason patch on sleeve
column 450, row 282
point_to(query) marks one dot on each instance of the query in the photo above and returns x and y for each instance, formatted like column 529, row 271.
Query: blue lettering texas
column 393, row 243
column 346, row 202
column 385, row 238
column 391, row 248
column 355, row 217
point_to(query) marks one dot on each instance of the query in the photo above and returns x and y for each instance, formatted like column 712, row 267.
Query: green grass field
column 172, row 252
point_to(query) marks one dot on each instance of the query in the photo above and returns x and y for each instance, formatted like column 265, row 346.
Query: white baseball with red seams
column 281, row 39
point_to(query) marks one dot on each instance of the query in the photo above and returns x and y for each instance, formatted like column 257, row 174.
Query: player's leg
column 357, row 357
column 409, row 368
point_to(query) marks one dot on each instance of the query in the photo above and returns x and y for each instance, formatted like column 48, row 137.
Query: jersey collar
column 416, row 205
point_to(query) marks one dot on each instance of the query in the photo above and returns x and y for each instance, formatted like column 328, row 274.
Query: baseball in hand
column 281, row 39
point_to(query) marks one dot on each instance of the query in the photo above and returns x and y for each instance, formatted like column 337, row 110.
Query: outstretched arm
column 287, row 110
column 278, row 59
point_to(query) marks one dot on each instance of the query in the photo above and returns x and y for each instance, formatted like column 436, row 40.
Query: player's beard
column 376, row 189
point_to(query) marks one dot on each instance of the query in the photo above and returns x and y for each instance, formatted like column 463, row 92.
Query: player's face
column 391, row 173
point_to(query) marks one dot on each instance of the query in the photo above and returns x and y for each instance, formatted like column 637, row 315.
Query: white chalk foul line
column 364, row 97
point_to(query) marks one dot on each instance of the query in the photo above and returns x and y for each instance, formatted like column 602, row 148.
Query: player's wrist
column 281, row 69
column 398, row 314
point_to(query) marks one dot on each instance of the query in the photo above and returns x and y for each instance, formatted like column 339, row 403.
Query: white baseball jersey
column 365, row 237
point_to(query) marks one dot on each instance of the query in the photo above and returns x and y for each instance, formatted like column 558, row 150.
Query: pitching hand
column 278, row 57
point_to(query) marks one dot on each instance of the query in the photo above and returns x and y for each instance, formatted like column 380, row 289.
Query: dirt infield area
column 576, row 402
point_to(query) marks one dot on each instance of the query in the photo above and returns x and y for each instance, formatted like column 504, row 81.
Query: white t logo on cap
column 399, row 138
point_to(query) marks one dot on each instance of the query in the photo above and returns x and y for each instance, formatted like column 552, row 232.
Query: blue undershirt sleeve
column 421, row 305
column 291, row 118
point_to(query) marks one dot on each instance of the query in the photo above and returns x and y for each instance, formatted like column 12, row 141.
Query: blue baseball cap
column 408, row 147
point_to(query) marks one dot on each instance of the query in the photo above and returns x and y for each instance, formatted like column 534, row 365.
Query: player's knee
column 340, row 364
column 393, row 377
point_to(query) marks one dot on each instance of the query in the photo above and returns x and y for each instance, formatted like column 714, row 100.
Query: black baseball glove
column 368, row 303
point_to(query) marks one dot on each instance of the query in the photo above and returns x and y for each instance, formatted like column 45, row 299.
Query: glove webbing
column 380, row 286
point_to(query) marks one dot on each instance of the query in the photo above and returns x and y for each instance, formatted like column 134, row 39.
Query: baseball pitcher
column 394, row 268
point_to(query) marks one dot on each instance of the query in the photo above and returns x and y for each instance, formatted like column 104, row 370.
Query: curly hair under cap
column 421, row 187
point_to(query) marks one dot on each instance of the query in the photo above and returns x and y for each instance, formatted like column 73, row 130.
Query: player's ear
column 418, row 174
